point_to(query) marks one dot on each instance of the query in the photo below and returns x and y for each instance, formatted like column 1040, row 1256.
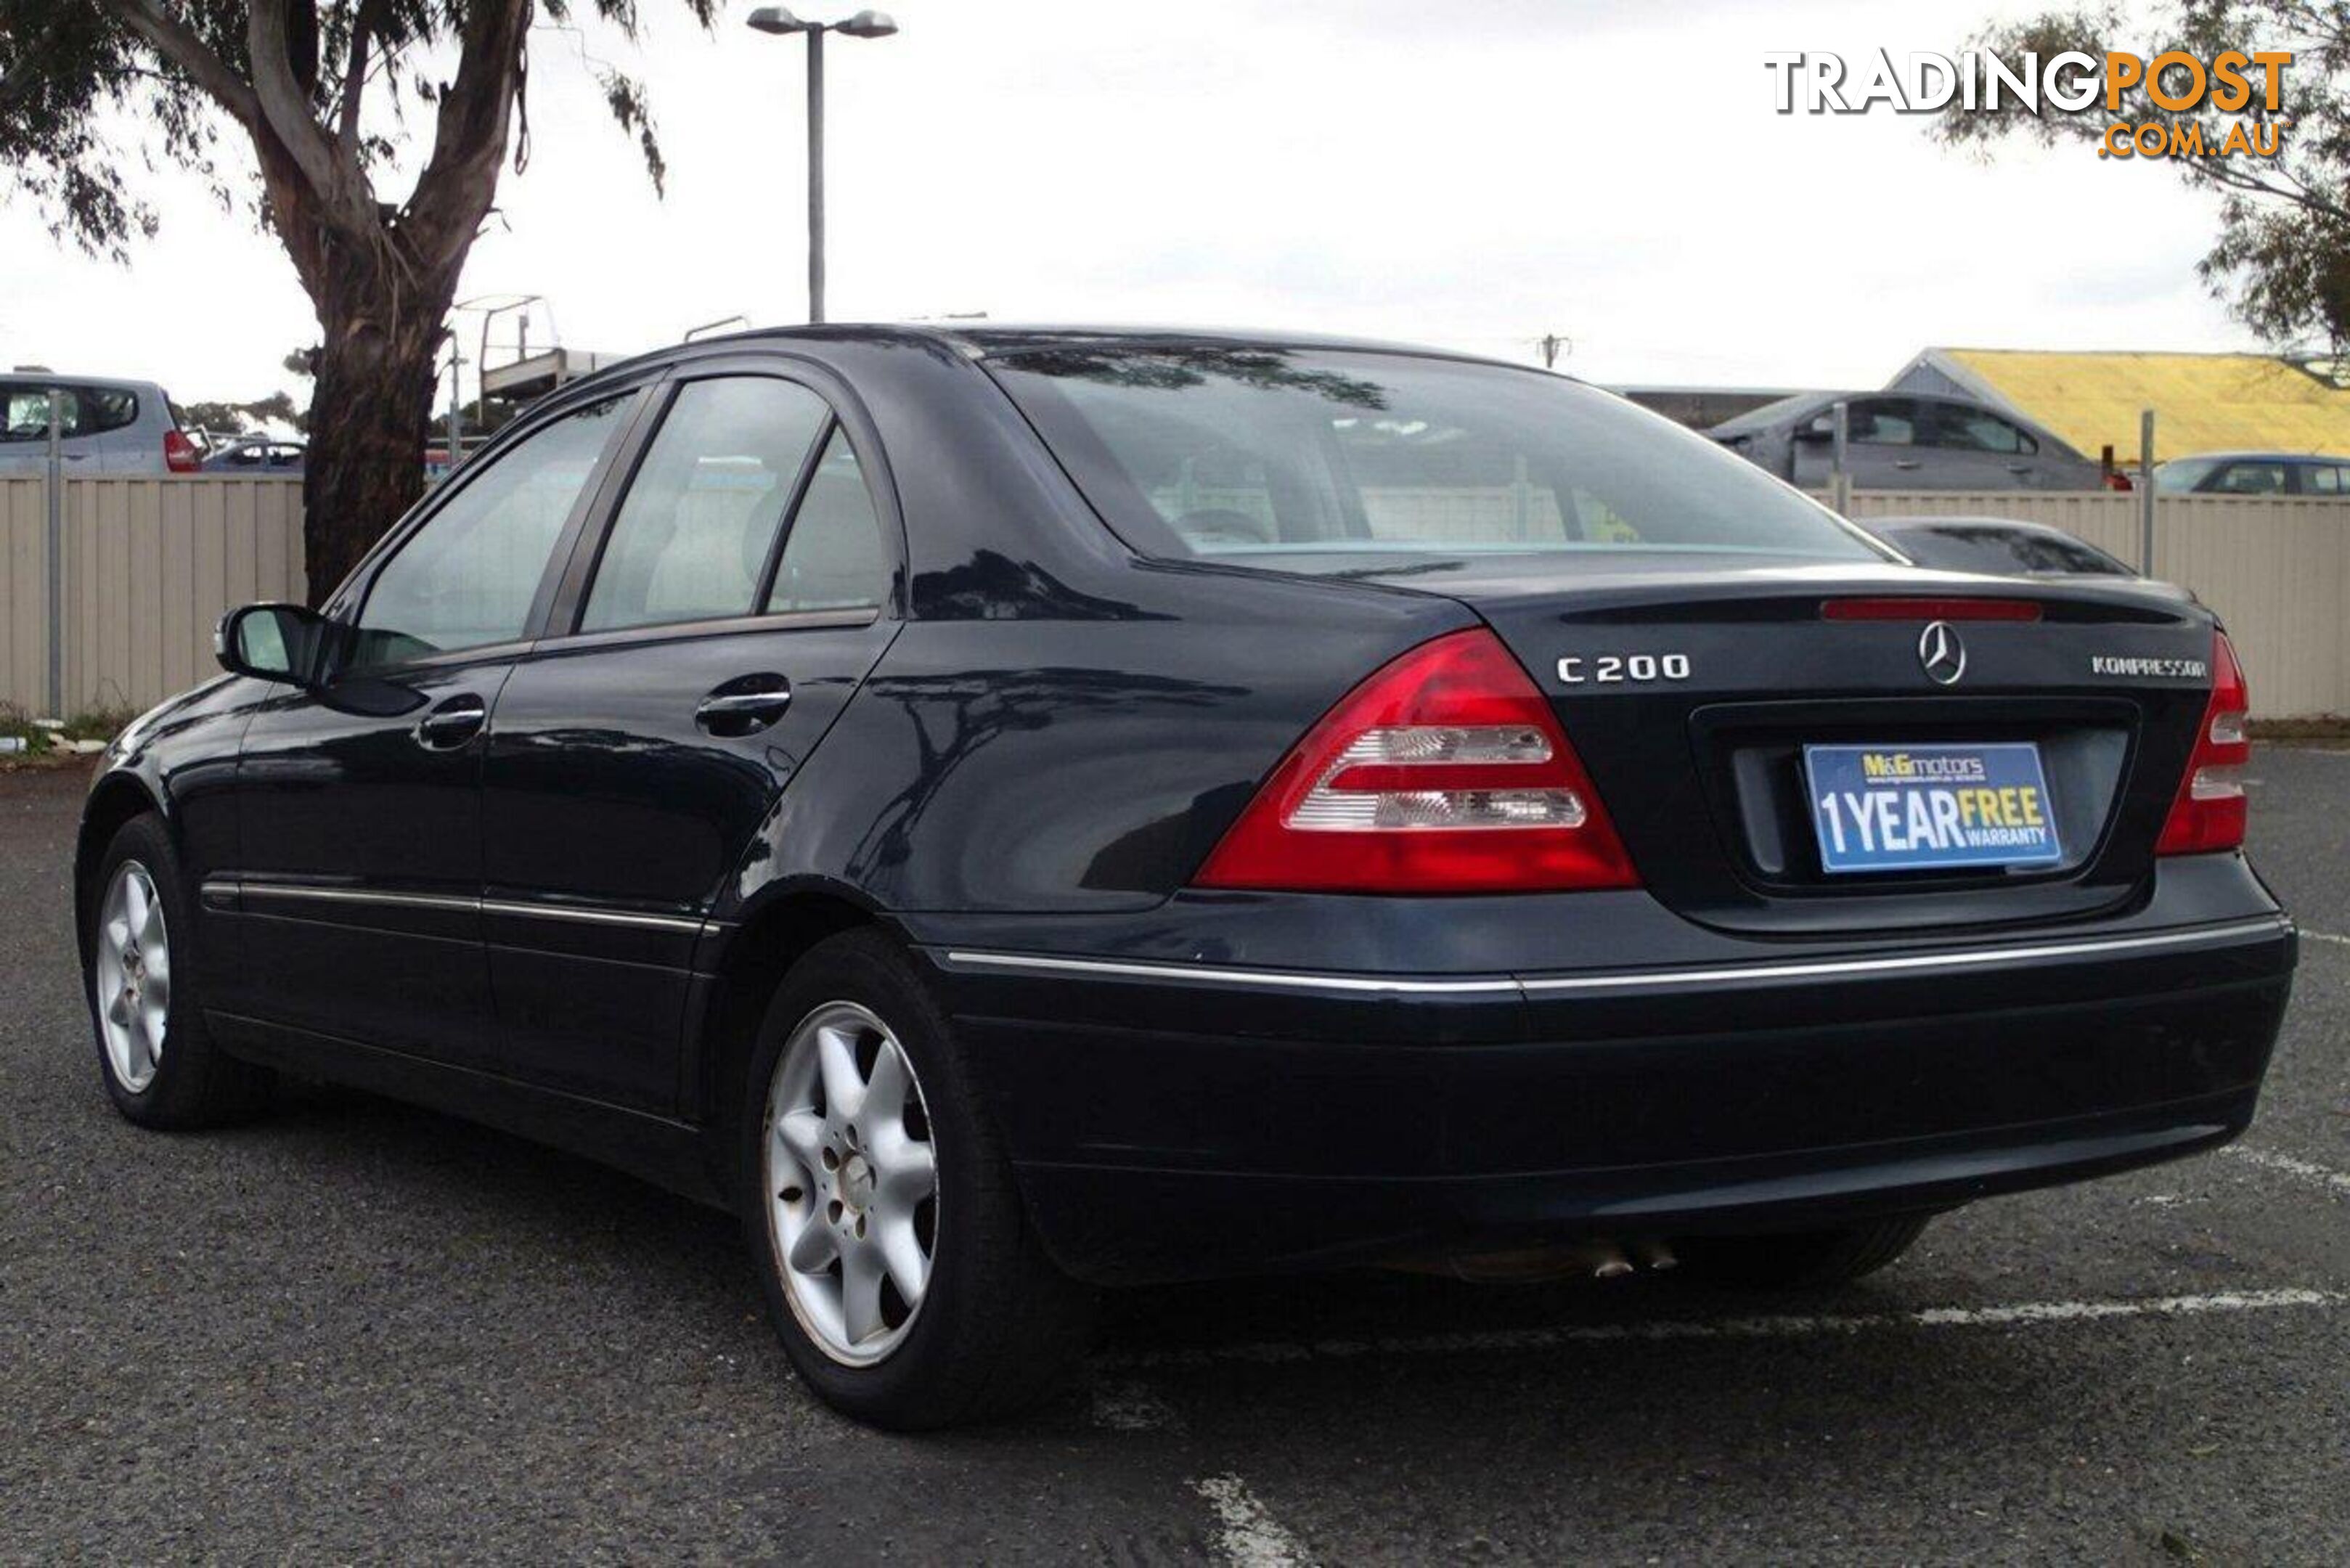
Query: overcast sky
column 1469, row 172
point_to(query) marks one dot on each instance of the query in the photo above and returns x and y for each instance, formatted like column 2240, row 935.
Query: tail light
column 2117, row 479
column 180, row 454
column 1444, row 773
column 2209, row 814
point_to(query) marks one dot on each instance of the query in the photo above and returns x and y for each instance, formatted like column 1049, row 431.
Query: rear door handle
column 451, row 724
column 1907, row 464
column 745, row 705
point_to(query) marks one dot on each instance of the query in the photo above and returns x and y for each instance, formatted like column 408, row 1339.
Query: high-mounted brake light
column 1444, row 773
column 1929, row 610
column 2209, row 814
column 180, row 453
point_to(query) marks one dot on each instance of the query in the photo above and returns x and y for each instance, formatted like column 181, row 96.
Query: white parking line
column 2304, row 1170
column 2324, row 937
column 1786, row 1326
column 1246, row 1534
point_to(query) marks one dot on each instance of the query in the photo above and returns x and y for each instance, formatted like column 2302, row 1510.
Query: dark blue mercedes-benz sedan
column 1014, row 812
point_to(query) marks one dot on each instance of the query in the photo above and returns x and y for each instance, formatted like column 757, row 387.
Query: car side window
column 691, row 538
column 28, row 414
column 2321, row 479
column 2251, row 478
column 106, row 408
column 1886, row 421
column 833, row 556
column 1962, row 429
column 468, row 577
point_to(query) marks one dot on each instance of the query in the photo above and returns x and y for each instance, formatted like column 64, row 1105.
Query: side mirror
column 271, row 643
column 1820, row 429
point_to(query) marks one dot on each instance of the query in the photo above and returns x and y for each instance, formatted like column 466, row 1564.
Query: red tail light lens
column 180, row 454
column 2117, row 479
column 2209, row 814
column 1443, row 773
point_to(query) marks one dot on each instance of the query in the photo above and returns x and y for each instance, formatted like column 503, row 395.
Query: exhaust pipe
column 1600, row 1259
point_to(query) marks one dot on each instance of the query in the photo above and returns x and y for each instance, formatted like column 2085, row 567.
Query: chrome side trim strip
column 230, row 888
column 590, row 916
column 300, row 894
column 1628, row 980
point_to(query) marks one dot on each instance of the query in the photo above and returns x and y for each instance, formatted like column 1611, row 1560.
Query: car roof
column 985, row 340
column 63, row 377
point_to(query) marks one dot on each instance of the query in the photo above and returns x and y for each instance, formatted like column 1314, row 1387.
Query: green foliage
column 18, row 725
column 74, row 72
column 2282, row 259
column 240, row 419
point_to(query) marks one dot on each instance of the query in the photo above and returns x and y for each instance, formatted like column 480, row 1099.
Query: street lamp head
column 867, row 24
column 777, row 19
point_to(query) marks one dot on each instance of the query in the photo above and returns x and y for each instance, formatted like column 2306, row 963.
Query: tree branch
column 469, row 142
column 172, row 39
column 355, row 78
column 286, row 108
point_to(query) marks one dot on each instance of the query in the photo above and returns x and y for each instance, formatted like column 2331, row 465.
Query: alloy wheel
column 133, row 976
column 851, row 1178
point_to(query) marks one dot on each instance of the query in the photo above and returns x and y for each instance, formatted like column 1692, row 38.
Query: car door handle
column 740, row 707
column 1907, row 464
column 2019, row 468
column 451, row 724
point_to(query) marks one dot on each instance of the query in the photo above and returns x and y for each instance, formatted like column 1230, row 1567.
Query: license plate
column 1916, row 808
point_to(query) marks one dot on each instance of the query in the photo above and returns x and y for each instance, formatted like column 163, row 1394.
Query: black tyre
column 143, row 979
column 898, row 1263
column 1802, row 1259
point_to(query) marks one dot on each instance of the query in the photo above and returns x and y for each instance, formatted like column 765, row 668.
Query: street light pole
column 864, row 25
column 816, row 175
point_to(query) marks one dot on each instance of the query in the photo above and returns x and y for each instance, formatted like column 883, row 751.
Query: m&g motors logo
column 2144, row 97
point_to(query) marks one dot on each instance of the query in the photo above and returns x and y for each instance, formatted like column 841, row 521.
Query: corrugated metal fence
column 152, row 563
column 149, row 565
column 2277, row 571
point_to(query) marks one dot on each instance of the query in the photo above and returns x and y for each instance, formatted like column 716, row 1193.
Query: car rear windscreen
column 1327, row 460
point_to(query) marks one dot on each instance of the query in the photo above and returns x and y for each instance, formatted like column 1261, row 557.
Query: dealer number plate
column 1916, row 808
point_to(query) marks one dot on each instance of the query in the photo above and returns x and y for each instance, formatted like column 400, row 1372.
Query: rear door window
column 694, row 534
column 28, row 413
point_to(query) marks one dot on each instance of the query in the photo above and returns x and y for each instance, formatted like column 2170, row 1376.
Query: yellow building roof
column 2203, row 402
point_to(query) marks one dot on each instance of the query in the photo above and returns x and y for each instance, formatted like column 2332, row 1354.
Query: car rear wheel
column 157, row 1060
column 898, row 1263
column 1803, row 1258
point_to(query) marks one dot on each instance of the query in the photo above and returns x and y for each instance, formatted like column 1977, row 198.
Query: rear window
column 1330, row 462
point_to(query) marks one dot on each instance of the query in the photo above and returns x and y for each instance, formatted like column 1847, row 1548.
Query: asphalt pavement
column 358, row 1331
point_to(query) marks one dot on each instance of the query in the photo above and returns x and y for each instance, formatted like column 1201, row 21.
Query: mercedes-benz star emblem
column 1942, row 654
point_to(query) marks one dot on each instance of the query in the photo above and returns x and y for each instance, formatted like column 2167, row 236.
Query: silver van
column 109, row 427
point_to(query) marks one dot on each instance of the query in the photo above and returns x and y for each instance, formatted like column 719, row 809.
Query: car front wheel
column 898, row 1263
column 143, row 976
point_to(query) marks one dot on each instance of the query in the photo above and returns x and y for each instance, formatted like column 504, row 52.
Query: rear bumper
column 1184, row 1120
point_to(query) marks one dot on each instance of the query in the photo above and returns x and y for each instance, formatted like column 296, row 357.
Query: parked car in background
column 255, row 454
column 1906, row 441
column 2005, row 547
column 2254, row 474
column 109, row 427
